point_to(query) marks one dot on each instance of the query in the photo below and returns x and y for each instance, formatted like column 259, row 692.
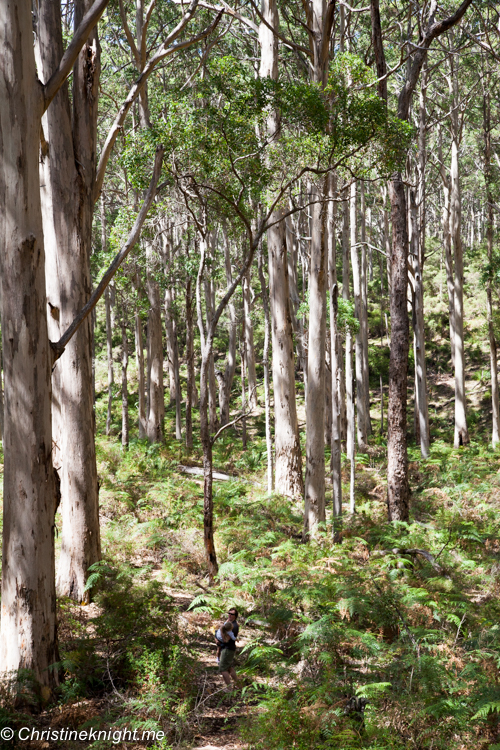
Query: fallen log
column 198, row 471
column 412, row 552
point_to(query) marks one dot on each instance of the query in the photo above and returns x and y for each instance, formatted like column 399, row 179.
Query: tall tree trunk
column 1, row 397
column 156, row 404
column 422, row 413
column 288, row 459
column 315, row 407
column 228, row 377
column 345, row 295
column 206, row 443
column 297, row 323
column 169, row 294
column 212, row 383
column 243, row 346
column 461, row 431
column 361, row 333
column 398, row 489
column 448, row 255
column 364, row 310
column 189, row 363
column 495, row 407
column 349, row 373
column 171, row 328
column 125, row 439
column 419, row 253
column 67, row 179
column 334, row 357
column 139, row 354
column 320, row 21
column 328, row 392
column 265, row 361
column 28, row 614
column 109, row 351
column 397, row 465
column 109, row 329
column 205, row 436
column 249, row 345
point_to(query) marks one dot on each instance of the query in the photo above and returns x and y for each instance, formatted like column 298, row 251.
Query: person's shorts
column 226, row 660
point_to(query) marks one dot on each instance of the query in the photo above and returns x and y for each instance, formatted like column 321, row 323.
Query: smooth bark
column 288, row 459
column 249, row 345
column 422, row 408
column 362, row 330
column 189, row 363
column 139, row 354
column 398, row 489
column 67, row 172
column 156, row 404
column 320, row 20
column 226, row 379
column 461, row 432
column 334, row 357
column 28, row 614
column 265, row 362
column 125, row 437
column 495, row 406
column 109, row 352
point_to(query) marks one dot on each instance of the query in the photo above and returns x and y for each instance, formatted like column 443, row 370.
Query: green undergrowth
column 353, row 644
column 327, row 624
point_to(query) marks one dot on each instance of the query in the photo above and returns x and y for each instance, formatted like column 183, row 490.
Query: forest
column 250, row 306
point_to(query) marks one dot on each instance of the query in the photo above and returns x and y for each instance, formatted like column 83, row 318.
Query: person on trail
column 225, row 638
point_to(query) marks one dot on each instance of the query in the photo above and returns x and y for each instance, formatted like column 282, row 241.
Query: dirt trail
column 217, row 711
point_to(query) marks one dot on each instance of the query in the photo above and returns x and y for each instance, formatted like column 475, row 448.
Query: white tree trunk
column 448, row 255
column 156, row 404
column 334, row 358
column 495, row 406
column 1, row 396
column 364, row 310
column 314, row 513
column 189, row 363
column 249, row 345
column 28, row 614
column 358, row 303
column 265, row 359
column 461, row 431
column 421, row 405
column 67, row 180
column 109, row 351
column 288, row 459
column 139, row 354
column 349, row 385
column 173, row 353
column 109, row 329
column 228, row 377
column 125, row 439
column 169, row 294
column 212, row 383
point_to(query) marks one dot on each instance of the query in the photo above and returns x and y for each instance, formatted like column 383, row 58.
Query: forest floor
column 363, row 644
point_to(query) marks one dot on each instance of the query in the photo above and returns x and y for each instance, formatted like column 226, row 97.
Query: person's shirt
column 233, row 634
column 231, row 645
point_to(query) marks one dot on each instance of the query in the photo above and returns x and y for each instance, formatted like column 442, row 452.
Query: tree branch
column 163, row 51
column 68, row 60
column 235, row 421
column 434, row 29
column 59, row 346
column 130, row 38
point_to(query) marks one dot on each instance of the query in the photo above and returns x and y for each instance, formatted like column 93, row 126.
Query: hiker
column 226, row 647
